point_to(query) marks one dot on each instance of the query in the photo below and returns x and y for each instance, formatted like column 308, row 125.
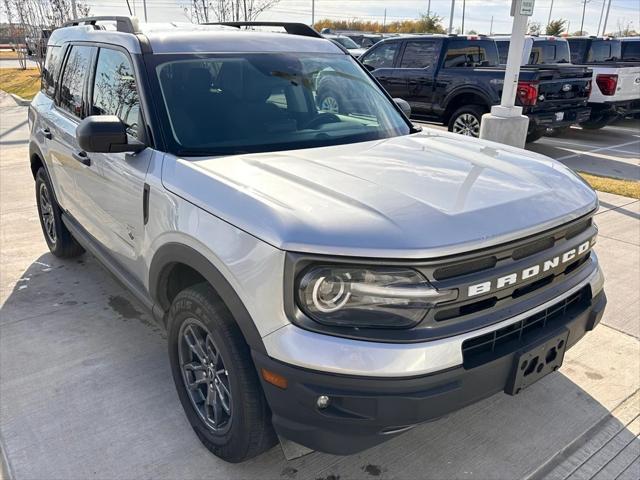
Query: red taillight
column 527, row 93
column 607, row 83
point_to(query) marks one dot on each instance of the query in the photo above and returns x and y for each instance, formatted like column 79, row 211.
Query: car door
column 418, row 66
column 114, row 189
column 381, row 60
column 62, row 121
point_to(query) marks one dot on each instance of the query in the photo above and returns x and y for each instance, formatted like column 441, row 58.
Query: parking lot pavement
column 86, row 390
column 612, row 152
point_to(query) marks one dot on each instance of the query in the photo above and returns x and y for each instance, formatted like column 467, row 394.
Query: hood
column 417, row 196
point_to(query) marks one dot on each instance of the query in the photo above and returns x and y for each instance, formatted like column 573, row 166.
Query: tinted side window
column 551, row 51
column 382, row 56
column 114, row 91
column 503, row 51
column 604, row 51
column 471, row 53
column 420, row 54
column 577, row 48
column 73, row 77
column 50, row 70
column 631, row 51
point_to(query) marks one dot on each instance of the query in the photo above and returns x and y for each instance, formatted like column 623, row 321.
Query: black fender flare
column 34, row 150
column 173, row 253
column 486, row 98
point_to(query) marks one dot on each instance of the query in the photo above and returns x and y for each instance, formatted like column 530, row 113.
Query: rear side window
column 549, row 51
column 382, row 56
column 631, row 51
column 419, row 54
column 114, row 90
column 50, row 70
column 471, row 53
column 503, row 51
column 73, row 77
column 578, row 50
column 604, row 51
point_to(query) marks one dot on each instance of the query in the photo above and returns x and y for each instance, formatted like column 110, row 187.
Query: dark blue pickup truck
column 456, row 79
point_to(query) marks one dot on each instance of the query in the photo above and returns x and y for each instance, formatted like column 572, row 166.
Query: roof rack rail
column 290, row 27
column 123, row 24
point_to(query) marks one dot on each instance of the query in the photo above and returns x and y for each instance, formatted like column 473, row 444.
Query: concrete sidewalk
column 86, row 391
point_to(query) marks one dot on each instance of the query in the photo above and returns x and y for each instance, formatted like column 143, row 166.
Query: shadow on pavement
column 87, row 392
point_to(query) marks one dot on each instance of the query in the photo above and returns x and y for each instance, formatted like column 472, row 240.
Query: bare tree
column 32, row 18
column 203, row 11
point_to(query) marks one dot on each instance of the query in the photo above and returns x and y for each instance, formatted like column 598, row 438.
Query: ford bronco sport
column 332, row 278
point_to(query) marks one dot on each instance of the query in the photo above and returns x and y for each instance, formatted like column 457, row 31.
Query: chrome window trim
column 296, row 346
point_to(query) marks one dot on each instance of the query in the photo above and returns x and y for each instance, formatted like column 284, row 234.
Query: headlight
column 380, row 297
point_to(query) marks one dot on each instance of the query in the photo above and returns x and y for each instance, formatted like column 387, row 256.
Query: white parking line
column 598, row 150
column 564, row 142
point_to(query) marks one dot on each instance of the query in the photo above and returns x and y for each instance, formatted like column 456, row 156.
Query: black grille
column 485, row 348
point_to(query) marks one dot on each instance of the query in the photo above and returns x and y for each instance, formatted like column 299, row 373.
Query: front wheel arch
column 175, row 255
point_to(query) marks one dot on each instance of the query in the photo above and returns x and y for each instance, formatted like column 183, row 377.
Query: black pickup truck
column 456, row 79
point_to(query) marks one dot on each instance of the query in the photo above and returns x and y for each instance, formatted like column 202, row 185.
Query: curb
column 23, row 102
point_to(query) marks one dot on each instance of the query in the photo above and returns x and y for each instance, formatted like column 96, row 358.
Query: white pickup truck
column 616, row 89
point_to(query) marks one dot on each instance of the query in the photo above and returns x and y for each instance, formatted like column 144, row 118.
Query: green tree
column 556, row 27
column 534, row 28
column 429, row 23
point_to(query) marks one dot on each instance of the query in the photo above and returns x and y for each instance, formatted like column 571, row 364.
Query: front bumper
column 366, row 411
column 553, row 119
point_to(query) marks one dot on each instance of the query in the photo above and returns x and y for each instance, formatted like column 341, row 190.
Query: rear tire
column 556, row 132
column 225, row 405
column 466, row 120
column 596, row 124
column 535, row 134
column 59, row 239
column 599, row 119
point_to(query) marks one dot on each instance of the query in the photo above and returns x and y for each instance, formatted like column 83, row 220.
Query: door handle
column 46, row 133
column 82, row 157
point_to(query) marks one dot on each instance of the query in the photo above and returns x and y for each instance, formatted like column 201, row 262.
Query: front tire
column 466, row 120
column 59, row 239
column 215, row 377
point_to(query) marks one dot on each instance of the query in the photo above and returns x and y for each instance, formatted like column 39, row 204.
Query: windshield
column 271, row 101
column 346, row 42
column 549, row 51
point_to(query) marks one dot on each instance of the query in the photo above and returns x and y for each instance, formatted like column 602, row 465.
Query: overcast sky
column 478, row 12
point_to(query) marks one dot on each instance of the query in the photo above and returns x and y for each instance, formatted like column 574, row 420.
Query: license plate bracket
column 533, row 363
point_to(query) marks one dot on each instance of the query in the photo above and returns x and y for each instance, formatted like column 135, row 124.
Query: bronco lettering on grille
column 532, row 271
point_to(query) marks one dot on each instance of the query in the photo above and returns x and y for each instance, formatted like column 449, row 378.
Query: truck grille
column 487, row 347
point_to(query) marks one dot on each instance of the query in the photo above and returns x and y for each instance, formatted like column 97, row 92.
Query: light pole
column 550, row 10
column 453, row 6
column 584, row 8
column 505, row 123
column 464, row 7
column 604, row 2
column 606, row 18
column 313, row 12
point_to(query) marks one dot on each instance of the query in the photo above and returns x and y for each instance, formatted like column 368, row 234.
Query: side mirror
column 371, row 68
column 404, row 106
column 105, row 134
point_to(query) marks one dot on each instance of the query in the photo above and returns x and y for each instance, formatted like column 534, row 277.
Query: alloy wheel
column 467, row 124
column 46, row 213
column 330, row 104
column 205, row 376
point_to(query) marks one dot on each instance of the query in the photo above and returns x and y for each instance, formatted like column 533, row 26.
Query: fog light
column 322, row 402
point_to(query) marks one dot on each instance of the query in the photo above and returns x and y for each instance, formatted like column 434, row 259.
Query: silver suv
column 335, row 278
